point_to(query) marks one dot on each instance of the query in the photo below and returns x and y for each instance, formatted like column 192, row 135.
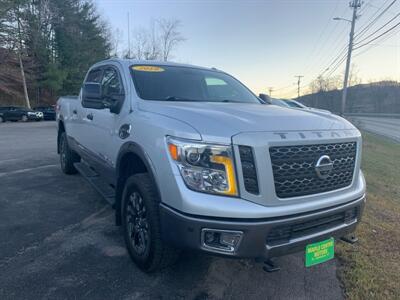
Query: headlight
column 204, row 167
column 31, row 113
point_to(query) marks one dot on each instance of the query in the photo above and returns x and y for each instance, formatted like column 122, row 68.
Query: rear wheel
column 67, row 156
column 141, row 225
column 24, row 118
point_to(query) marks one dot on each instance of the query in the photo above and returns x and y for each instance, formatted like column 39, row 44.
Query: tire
column 67, row 156
column 24, row 118
column 141, row 225
column 2, row 119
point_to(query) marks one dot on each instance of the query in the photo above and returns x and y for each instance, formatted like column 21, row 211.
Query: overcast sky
column 266, row 43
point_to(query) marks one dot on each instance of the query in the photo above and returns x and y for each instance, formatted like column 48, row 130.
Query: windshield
column 171, row 83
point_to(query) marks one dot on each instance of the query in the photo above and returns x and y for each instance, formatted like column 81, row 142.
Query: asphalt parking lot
column 58, row 241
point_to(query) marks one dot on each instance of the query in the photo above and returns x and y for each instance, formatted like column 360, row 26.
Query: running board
column 95, row 180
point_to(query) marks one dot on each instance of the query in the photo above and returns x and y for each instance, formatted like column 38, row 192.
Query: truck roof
column 129, row 62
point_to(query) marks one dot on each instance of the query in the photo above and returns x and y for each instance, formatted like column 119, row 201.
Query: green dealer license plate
column 320, row 252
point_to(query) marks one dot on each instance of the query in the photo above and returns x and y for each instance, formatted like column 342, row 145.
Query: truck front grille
column 294, row 168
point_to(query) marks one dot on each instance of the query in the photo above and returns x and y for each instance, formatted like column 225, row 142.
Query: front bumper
column 264, row 238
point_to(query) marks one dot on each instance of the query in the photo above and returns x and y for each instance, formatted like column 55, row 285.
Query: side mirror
column 91, row 91
column 92, row 97
column 265, row 98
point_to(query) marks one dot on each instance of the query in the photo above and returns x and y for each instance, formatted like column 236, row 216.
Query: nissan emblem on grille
column 311, row 169
column 324, row 166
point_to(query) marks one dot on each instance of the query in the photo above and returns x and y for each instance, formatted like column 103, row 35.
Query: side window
column 111, row 84
column 219, row 89
column 94, row 76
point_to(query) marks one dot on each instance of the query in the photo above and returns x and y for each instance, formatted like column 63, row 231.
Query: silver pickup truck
column 190, row 158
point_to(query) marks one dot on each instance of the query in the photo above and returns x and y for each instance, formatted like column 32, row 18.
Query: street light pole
column 355, row 4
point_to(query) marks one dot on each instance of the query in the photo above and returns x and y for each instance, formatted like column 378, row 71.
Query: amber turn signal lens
column 173, row 151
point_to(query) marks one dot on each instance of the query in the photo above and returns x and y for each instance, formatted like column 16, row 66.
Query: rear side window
column 94, row 76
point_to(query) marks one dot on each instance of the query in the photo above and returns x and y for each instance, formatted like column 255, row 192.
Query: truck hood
column 218, row 122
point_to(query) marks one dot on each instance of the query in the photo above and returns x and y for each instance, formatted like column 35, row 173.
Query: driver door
column 105, row 124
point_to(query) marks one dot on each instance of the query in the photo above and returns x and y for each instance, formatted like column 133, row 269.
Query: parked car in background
column 289, row 103
column 279, row 102
column 297, row 104
column 16, row 113
column 49, row 113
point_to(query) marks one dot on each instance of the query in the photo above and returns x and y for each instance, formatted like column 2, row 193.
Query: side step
column 95, row 180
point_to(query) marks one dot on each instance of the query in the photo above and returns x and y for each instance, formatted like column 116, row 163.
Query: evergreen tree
column 58, row 39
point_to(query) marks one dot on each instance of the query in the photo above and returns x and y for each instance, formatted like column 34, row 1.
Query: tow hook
column 270, row 266
column 351, row 239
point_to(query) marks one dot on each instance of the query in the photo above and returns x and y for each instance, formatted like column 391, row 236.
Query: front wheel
column 1, row 119
column 141, row 225
column 24, row 118
column 67, row 156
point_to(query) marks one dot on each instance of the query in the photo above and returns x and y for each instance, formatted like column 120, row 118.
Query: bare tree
column 143, row 47
column 156, row 42
column 170, row 36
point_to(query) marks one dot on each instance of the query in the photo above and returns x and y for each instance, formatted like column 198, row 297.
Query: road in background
column 58, row 241
column 388, row 127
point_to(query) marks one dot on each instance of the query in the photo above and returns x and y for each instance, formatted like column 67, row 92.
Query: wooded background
column 47, row 46
column 52, row 43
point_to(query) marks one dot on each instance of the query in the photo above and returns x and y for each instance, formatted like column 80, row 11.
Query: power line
column 371, row 34
column 337, row 65
column 371, row 46
column 377, row 37
column 359, row 34
column 334, row 61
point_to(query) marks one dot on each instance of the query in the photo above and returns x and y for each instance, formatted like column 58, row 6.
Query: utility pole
column 298, row 84
column 355, row 4
column 129, row 39
column 270, row 89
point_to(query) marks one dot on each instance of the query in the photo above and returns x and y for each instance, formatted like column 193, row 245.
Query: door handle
column 74, row 111
column 90, row 116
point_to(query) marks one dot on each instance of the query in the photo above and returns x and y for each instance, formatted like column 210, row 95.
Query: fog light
column 230, row 239
column 209, row 237
column 223, row 241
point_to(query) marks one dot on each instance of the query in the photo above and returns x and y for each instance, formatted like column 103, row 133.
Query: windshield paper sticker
column 148, row 68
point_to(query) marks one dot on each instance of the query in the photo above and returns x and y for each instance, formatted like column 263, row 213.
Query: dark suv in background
column 15, row 113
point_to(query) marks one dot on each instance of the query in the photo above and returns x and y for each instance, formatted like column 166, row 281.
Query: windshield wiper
column 174, row 98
